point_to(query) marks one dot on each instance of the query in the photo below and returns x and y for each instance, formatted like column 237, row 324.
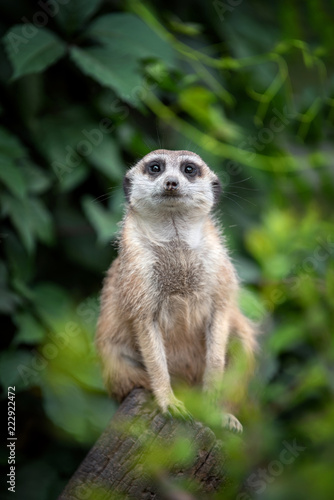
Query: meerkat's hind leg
column 231, row 423
column 122, row 371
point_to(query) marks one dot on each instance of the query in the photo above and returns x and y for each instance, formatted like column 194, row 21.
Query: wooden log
column 128, row 459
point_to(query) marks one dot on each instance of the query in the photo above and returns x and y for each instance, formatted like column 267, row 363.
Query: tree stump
column 119, row 465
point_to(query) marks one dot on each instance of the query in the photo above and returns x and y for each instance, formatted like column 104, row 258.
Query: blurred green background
column 87, row 88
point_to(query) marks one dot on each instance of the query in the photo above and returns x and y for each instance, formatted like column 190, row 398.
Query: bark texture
column 121, row 465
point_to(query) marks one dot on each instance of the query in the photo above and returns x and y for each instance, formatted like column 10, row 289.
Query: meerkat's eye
column 190, row 170
column 154, row 169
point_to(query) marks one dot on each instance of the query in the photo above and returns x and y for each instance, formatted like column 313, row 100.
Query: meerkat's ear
column 127, row 188
column 216, row 189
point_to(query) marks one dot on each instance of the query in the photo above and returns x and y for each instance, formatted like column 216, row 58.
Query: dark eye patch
column 190, row 170
column 154, row 168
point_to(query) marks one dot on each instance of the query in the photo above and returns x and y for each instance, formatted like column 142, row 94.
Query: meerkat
column 169, row 300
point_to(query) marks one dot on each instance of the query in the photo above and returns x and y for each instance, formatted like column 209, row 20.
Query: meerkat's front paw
column 176, row 409
column 231, row 423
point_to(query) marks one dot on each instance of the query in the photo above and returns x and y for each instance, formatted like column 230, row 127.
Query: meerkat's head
column 176, row 181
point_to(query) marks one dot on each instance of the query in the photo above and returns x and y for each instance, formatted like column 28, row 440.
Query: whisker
column 242, row 180
column 241, row 198
column 231, row 199
column 102, row 197
column 243, row 187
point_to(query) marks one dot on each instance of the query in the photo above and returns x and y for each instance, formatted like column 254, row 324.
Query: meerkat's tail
column 247, row 333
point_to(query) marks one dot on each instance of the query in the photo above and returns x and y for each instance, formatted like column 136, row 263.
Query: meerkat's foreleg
column 150, row 341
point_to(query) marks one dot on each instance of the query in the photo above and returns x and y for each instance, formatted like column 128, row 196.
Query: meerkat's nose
column 171, row 184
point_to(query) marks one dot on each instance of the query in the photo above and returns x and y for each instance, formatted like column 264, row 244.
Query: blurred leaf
column 72, row 384
column 41, row 220
column 251, row 305
column 10, row 146
column 12, row 366
column 286, row 337
column 34, row 473
column 103, row 221
column 126, row 39
column 32, row 52
column 70, row 179
column 12, row 177
column 29, row 329
column 199, row 102
column 52, row 303
column 8, row 301
column 17, row 213
column 20, row 262
column 73, row 15
column 248, row 270
column 111, row 68
column 36, row 180
column 71, row 140
column 82, row 415
column 131, row 36
column 107, row 159
column 31, row 219
column 91, row 257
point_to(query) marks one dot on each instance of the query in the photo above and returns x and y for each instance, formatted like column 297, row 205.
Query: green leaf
column 15, row 369
column 52, row 304
column 19, row 262
column 41, row 220
column 31, row 219
column 36, row 180
column 31, row 49
column 251, row 305
column 111, row 68
column 11, row 150
column 3, row 274
column 104, row 222
column 67, row 140
column 10, row 146
column 17, row 213
column 8, row 301
column 12, row 177
column 29, row 329
column 131, row 37
column 81, row 414
column 36, row 472
column 286, row 337
column 106, row 158
column 91, row 256
column 72, row 15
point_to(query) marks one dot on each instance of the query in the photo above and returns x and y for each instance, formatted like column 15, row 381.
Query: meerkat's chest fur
column 177, row 269
column 173, row 273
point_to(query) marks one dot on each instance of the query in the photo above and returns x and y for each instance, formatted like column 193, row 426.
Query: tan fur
column 169, row 301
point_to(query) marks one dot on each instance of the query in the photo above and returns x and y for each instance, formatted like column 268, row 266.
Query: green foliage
column 90, row 87
column 34, row 52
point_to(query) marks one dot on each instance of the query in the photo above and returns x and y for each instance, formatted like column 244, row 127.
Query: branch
column 120, row 464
